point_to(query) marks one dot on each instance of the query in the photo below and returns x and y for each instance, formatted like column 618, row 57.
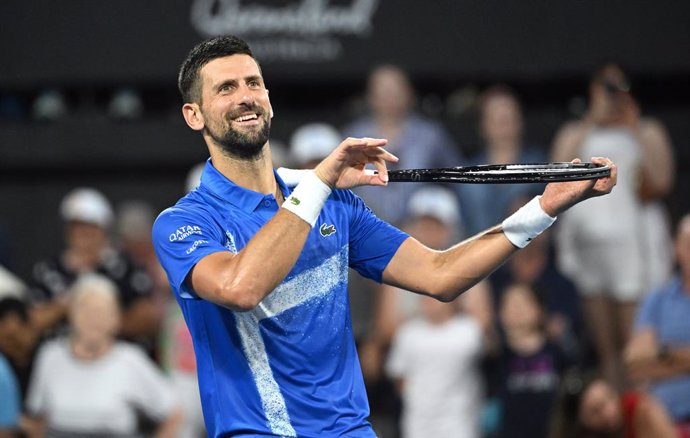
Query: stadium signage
column 305, row 30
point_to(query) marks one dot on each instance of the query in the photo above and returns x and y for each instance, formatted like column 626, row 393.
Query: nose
column 246, row 95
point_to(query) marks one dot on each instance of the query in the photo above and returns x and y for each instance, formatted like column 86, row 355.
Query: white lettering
column 306, row 17
column 195, row 245
column 183, row 232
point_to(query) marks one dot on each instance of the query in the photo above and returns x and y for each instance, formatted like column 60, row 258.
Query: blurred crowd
column 584, row 333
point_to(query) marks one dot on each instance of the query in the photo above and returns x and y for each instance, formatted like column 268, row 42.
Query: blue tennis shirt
column 289, row 367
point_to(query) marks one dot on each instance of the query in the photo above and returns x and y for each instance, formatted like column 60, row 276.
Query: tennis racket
column 503, row 173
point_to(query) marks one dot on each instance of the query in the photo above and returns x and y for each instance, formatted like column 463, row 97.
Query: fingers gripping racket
column 504, row 173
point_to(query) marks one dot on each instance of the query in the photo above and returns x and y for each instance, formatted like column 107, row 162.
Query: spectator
column 9, row 400
column 434, row 220
column 134, row 222
column 311, row 143
column 615, row 251
column 90, row 384
column 415, row 140
column 531, row 365
column 18, row 339
column 534, row 266
column 88, row 217
column 435, row 363
column 659, row 351
column 592, row 408
column 10, row 285
column 501, row 127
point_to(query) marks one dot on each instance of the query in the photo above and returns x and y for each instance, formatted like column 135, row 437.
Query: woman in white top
column 617, row 250
column 90, row 384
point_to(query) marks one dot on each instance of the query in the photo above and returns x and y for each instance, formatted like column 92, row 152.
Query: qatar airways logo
column 298, row 30
column 183, row 232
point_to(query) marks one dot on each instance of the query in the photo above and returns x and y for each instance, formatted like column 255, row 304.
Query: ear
column 192, row 115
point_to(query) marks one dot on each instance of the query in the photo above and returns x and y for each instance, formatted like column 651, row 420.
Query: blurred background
column 88, row 98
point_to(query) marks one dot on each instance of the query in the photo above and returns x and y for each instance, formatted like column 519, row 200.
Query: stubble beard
column 242, row 145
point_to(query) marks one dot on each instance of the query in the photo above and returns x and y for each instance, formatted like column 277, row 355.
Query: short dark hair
column 204, row 52
column 13, row 306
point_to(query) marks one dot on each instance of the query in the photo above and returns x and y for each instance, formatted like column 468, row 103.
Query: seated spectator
column 485, row 205
column 592, row 408
column 434, row 361
column 531, row 365
column 18, row 340
column 88, row 216
column 533, row 265
column 9, row 401
column 616, row 251
column 659, row 351
column 417, row 141
column 90, row 384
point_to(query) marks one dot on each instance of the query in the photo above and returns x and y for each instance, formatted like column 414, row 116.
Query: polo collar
column 242, row 198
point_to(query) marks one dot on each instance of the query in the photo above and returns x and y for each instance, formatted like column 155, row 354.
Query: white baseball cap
column 313, row 141
column 436, row 202
column 87, row 205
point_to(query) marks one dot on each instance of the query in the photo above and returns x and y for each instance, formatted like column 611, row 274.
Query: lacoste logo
column 327, row 230
column 294, row 201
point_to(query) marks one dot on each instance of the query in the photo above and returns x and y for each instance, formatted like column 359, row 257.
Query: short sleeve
column 181, row 238
column 9, row 396
column 373, row 242
column 152, row 391
column 649, row 312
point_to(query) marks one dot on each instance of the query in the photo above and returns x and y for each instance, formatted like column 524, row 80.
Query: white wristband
column 526, row 223
column 308, row 198
column 291, row 177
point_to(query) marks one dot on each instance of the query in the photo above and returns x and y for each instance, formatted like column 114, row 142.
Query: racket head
column 504, row 173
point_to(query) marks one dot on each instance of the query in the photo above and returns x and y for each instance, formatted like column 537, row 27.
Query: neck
column 256, row 174
column 89, row 350
column 389, row 125
column 525, row 340
column 503, row 152
column 441, row 319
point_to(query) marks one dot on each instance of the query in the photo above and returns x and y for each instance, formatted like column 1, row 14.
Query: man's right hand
column 344, row 167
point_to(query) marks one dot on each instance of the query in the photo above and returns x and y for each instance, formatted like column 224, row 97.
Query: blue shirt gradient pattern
column 289, row 367
column 665, row 311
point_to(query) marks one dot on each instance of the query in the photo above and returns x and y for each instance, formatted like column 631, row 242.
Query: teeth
column 245, row 118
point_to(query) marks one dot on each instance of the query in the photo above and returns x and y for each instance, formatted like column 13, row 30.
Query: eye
column 254, row 83
column 225, row 88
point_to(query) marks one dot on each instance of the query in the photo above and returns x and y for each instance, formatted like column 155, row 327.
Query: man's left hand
column 558, row 197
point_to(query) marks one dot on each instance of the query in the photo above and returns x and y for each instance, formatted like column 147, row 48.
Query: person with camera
column 617, row 250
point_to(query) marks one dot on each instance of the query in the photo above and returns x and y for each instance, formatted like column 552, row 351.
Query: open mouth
column 247, row 119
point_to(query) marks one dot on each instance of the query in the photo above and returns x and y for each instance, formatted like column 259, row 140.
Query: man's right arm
column 240, row 281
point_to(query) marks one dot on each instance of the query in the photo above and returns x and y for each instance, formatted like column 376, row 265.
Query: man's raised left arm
column 447, row 274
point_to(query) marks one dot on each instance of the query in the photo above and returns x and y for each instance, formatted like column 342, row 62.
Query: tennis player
column 259, row 266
